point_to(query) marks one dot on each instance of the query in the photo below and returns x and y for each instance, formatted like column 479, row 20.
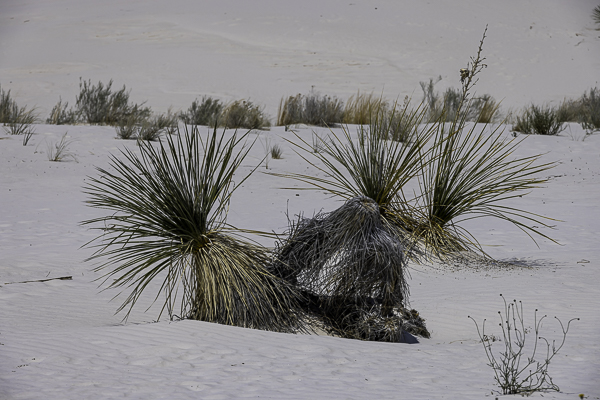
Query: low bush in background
column 539, row 120
column 482, row 109
column 98, row 104
column 311, row 109
column 244, row 114
column 206, row 112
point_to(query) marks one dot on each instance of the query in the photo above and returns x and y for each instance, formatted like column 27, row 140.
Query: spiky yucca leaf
column 168, row 221
column 468, row 174
column 370, row 165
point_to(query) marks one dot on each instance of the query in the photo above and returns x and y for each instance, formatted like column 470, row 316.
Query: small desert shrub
column 167, row 122
column 98, row 104
column 8, row 107
column 59, row 151
column 207, row 112
column 62, row 115
column 596, row 15
column 311, row 109
column 362, row 107
column 21, row 121
column 591, row 109
column 482, row 109
column 167, row 220
column 539, row 120
column 243, row 114
column 148, row 129
column 515, row 372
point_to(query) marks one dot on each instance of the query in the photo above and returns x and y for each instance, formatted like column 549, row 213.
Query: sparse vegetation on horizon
column 98, row 104
column 311, row 109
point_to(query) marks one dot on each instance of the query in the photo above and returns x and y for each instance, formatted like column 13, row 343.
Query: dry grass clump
column 167, row 221
column 311, row 109
column 361, row 108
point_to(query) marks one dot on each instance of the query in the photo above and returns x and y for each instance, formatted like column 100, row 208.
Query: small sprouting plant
column 514, row 371
column 276, row 152
column 59, row 151
column 539, row 120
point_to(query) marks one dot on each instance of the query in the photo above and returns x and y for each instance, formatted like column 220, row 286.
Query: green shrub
column 20, row 121
column 98, row 104
column 244, row 114
column 591, row 109
column 61, row 115
column 167, row 220
column 539, row 120
column 205, row 113
column 311, row 109
column 482, row 109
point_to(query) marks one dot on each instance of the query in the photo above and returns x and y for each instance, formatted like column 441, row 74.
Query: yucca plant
column 468, row 174
column 350, row 265
column 369, row 165
column 168, row 209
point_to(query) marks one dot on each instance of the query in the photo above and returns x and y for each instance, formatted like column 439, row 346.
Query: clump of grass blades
column 596, row 15
column 59, row 151
column 243, row 114
column 21, row 122
column 98, row 104
column 348, row 263
column 468, row 174
column 311, row 109
column 539, row 120
column 276, row 152
column 360, row 108
column 206, row 112
column 168, row 219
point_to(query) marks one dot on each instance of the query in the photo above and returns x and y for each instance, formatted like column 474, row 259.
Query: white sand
column 60, row 340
